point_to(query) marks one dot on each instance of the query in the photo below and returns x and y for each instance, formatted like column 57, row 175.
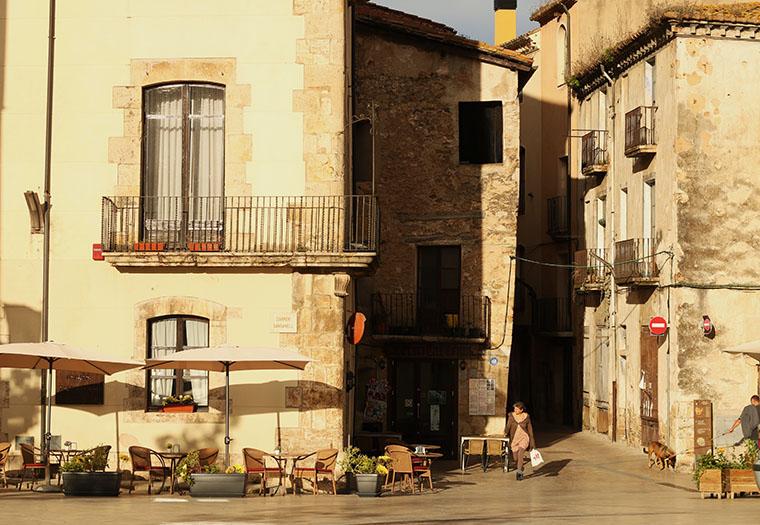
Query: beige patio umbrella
column 226, row 358
column 58, row 356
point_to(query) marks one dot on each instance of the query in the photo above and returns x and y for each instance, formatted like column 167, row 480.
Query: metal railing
column 407, row 314
column 640, row 128
column 558, row 219
column 635, row 261
column 590, row 269
column 594, row 150
column 276, row 224
column 554, row 315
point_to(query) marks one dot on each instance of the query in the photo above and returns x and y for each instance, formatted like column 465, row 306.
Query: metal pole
column 47, row 383
column 227, row 415
column 48, row 487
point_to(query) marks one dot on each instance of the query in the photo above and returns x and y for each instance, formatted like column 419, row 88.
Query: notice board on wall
column 482, row 397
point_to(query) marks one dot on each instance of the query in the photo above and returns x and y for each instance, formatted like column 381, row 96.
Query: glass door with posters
column 424, row 404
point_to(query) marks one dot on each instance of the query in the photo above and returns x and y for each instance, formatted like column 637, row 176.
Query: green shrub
column 89, row 461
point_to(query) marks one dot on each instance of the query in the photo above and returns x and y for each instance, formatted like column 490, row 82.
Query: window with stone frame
column 481, row 132
column 182, row 185
column 167, row 335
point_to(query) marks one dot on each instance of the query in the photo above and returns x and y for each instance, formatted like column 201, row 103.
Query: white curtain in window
column 163, row 342
column 196, row 331
column 206, row 159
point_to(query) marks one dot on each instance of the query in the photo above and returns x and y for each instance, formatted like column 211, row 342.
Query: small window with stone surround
column 481, row 130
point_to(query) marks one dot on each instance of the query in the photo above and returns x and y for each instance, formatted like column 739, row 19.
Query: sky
column 473, row 18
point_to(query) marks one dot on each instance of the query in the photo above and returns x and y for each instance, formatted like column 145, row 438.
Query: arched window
column 183, row 163
column 167, row 335
column 561, row 55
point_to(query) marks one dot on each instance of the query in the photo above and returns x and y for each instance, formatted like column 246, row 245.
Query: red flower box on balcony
column 204, row 246
column 178, row 409
column 149, row 246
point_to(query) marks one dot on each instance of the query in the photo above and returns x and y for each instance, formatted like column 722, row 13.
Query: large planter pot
column 368, row 485
column 739, row 481
column 711, row 482
column 756, row 471
column 91, row 483
column 178, row 408
column 217, row 485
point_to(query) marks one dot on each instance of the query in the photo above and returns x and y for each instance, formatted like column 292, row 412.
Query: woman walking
column 520, row 433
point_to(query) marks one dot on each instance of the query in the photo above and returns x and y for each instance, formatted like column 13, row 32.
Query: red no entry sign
column 658, row 325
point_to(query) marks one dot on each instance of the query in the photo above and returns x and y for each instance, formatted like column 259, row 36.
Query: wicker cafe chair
column 388, row 450
column 207, row 456
column 401, row 461
column 142, row 462
column 472, row 447
column 496, row 448
column 324, row 464
column 32, row 462
column 255, row 465
column 5, row 449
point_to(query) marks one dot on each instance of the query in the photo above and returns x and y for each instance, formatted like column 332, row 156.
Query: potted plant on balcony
column 178, row 404
column 85, row 475
column 368, row 471
column 211, row 481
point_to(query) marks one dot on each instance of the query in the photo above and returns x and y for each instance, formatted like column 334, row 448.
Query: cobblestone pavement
column 584, row 480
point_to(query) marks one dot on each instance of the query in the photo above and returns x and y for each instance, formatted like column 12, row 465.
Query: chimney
column 505, row 21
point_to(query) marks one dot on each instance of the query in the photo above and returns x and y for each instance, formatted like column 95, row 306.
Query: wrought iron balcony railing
column 640, row 137
column 559, row 226
column 594, row 159
column 591, row 270
column 243, row 225
column 635, row 262
column 412, row 315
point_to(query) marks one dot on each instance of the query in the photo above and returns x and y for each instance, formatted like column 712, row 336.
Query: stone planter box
column 91, row 483
column 711, row 483
column 368, row 485
column 217, row 485
column 739, row 481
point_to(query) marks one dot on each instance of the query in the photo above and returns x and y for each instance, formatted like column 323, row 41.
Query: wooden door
column 650, row 424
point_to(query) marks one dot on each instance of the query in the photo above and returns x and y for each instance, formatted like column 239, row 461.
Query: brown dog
column 661, row 455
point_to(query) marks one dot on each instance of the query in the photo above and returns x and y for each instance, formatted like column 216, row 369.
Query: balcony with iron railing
column 408, row 316
column 591, row 269
column 594, row 158
column 635, row 262
column 558, row 220
column 240, row 231
column 640, row 131
column 553, row 317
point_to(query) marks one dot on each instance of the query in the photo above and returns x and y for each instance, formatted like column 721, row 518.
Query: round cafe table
column 174, row 458
column 282, row 460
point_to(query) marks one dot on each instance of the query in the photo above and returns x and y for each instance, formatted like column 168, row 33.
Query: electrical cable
column 506, row 307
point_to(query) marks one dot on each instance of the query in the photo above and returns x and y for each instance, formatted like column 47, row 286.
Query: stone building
column 202, row 147
column 438, row 139
column 663, row 207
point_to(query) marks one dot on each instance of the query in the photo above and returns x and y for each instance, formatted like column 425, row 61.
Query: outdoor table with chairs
column 410, row 465
column 483, row 447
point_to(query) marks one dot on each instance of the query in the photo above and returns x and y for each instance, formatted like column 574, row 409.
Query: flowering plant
column 187, row 399
column 357, row 463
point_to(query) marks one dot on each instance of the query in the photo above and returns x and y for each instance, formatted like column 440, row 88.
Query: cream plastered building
column 661, row 147
column 202, row 145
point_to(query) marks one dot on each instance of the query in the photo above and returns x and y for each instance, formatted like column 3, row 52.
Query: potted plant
column 178, row 404
column 368, row 471
column 85, row 475
column 211, row 481
column 708, row 473
column 739, row 476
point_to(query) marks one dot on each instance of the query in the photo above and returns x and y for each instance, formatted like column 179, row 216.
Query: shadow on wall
column 24, row 323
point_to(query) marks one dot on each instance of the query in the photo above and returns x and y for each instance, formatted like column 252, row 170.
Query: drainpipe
column 44, row 317
column 613, row 232
column 349, row 175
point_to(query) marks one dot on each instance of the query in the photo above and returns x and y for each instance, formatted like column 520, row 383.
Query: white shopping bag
column 535, row 457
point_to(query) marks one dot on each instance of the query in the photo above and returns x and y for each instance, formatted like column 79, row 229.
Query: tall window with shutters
column 183, row 164
column 167, row 335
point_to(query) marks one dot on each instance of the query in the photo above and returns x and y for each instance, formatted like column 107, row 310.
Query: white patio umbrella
column 57, row 356
column 751, row 349
column 226, row 358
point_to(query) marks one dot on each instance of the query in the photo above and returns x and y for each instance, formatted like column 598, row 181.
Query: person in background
column 749, row 420
column 520, row 432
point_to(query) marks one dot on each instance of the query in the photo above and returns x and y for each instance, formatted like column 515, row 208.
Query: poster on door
column 435, row 418
column 482, row 397
column 376, row 404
